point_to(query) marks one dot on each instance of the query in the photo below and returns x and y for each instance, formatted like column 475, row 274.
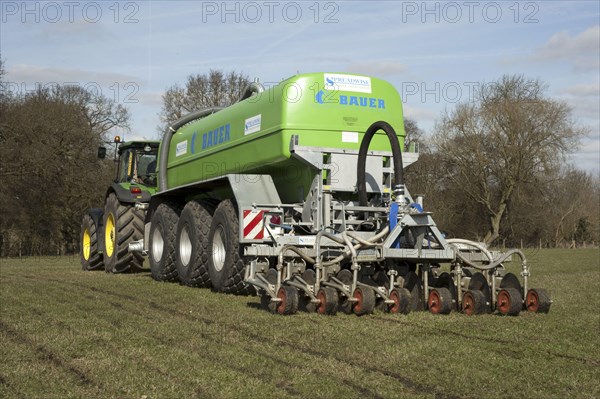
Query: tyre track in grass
column 46, row 355
column 263, row 377
column 505, row 342
column 407, row 383
column 411, row 385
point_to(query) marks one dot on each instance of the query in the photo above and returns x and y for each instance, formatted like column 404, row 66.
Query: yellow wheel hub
column 109, row 235
column 87, row 243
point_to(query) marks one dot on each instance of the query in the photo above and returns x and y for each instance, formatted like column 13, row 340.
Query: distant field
column 65, row 333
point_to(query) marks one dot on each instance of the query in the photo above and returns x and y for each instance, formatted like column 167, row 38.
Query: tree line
column 494, row 169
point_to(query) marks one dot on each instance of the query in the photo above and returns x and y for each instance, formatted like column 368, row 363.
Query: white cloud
column 582, row 49
column 585, row 90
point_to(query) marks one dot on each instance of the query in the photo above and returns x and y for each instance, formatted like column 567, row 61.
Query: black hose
column 362, row 161
column 249, row 90
column 166, row 142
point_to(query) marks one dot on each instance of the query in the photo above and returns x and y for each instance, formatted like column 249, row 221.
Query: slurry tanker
column 297, row 194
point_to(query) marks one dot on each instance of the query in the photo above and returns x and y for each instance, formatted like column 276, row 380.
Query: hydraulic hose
column 249, row 90
column 166, row 142
column 362, row 161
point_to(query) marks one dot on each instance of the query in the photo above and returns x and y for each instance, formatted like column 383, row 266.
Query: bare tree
column 511, row 135
column 215, row 89
column 48, row 165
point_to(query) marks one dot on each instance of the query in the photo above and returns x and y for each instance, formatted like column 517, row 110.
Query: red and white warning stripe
column 254, row 227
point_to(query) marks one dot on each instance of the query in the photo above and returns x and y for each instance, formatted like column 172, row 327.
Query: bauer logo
column 338, row 82
column 252, row 125
column 181, row 148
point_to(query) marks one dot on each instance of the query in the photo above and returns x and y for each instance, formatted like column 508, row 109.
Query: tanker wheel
column 474, row 302
column 226, row 264
column 162, row 242
column 510, row 302
column 328, row 301
column 365, row 301
column 345, row 276
column 440, row 301
column 90, row 258
column 402, row 300
column 192, row 249
column 123, row 224
column 538, row 300
column 288, row 303
column 412, row 283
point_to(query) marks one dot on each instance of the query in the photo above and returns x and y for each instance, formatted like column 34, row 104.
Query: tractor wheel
column 90, row 258
column 510, row 302
column 328, row 301
column 123, row 224
column 162, row 242
column 440, row 301
column 289, row 300
column 226, row 264
column 191, row 246
column 412, row 283
column 365, row 303
column 402, row 300
column 538, row 300
column 474, row 302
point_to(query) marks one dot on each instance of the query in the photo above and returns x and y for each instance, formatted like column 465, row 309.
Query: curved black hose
column 166, row 142
column 362, row 161
column 249, row 90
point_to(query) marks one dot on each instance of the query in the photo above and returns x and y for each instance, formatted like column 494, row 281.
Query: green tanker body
column 297, row 193
column 253, row 136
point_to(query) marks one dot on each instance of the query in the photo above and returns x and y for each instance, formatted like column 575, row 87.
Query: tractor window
column 125, row 167
column 138, row 165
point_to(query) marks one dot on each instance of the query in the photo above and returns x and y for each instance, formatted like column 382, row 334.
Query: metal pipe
column 163, row 156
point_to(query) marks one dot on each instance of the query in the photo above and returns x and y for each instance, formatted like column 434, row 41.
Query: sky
column 435, row 53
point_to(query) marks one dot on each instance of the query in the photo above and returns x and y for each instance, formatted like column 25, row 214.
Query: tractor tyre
column 123, row 224
column 191, row 246
column 328, row 301
column 226, row 260
column 91, row 259
column 413, row 284
column 162, row 242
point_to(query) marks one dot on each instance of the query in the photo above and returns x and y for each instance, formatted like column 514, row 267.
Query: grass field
column 67, row 333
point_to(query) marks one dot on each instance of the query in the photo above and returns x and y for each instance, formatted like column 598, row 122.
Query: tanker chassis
column 297, row 193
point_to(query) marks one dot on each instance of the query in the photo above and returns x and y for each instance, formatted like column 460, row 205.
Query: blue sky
column 434, row 53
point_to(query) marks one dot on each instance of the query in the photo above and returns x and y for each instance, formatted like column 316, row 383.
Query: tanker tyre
column 90, row 258
column 162, row 242
column 225, row 262
column 191, row 246
column 123, row 224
